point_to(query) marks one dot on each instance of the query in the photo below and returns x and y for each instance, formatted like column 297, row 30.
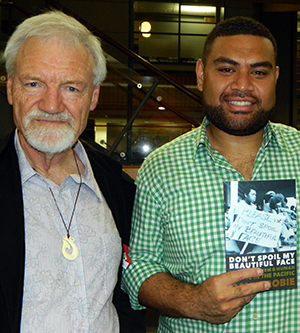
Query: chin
column 237, row 125
column 51, row 141
column 50, row 147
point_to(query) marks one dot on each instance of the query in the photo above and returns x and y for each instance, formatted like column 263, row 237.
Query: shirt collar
column 271, row 135
column 274, row 135
column 201, row 137
column 27, row 172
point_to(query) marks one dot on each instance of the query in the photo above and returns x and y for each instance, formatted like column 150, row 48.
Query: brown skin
column 238, row 64
column 53, row 78
column 241, row 63
column 215, row 301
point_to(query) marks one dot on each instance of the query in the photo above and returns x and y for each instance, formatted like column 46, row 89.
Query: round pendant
column 69, row 249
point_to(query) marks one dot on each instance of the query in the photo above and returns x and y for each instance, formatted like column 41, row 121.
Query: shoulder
column 8, row 154
column 166, row 159
column 7, row 141
column 287, row 137
column 180, row 147
column 285, row 130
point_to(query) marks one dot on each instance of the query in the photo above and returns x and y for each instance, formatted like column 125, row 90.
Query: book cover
column 261, row 229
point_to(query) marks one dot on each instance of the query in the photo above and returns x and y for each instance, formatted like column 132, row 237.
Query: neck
column 228, row 143
column 240, row 151
column 55, row 167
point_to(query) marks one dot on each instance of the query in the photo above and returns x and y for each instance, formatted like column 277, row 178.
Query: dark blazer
column 118, row 190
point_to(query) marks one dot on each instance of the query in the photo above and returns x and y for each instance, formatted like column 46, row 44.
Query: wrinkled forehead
column 51, row 58
column 43, row 47
column 35, row 41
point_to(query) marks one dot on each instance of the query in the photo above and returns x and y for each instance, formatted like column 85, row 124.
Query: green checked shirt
column 178, row 224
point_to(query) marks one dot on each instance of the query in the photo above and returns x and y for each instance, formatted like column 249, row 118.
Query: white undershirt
column 62, row 295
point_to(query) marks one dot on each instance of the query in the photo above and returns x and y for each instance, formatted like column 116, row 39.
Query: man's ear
column 95, row 98
column 200, row 74
column 277, row 72
column 9, row 90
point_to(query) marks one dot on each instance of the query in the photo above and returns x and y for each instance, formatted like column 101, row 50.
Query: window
column 173, row 29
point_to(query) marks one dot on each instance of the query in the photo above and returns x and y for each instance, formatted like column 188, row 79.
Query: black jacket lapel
column 12, row 244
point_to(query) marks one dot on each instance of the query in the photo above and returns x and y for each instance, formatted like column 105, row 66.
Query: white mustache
column 42, row 115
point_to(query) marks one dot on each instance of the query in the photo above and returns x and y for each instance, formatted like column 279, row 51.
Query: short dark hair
column 237, row 26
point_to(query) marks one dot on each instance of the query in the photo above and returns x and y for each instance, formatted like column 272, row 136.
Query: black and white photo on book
column 261, row 229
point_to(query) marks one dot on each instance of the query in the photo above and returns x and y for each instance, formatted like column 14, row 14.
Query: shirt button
column 255, row 316
column 76, row 284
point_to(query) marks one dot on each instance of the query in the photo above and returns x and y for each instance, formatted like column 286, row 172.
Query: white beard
column 52, row 139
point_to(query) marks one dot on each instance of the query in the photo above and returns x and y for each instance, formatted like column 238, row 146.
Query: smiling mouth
column 240, row 103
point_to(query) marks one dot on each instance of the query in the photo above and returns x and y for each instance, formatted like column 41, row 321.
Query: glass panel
column 196, row 28
column 203, row 11
column 158, row 46
column 222, row 13
column 191, row 47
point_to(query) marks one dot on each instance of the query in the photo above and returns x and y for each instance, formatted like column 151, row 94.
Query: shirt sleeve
column 146, row 241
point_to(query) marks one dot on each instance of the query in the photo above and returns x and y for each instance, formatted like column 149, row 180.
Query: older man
column 65, row 209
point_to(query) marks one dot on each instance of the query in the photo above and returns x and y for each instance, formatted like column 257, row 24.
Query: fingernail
column 260, row 271
column 267, row 286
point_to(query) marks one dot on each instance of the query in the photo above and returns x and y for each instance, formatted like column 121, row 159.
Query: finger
column 248, row 290
column 234, row 277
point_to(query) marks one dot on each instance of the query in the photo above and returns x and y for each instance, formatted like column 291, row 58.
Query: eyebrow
column 40, row 78
column 229, row 61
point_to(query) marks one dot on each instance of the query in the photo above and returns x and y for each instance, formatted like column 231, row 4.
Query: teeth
column 239, row 103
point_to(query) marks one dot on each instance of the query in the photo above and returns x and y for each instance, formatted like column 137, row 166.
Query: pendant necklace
column 69, row 248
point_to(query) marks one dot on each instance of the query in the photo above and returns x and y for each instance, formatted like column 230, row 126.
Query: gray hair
column 56, row 24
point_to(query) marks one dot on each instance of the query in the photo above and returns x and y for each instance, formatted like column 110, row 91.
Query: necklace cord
column 75, row 203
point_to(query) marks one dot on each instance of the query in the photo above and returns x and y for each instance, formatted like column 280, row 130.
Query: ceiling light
column 146, row 148
column 145, row 29
column 202, row 10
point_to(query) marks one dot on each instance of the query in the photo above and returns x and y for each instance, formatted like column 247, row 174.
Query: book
column 261, row 229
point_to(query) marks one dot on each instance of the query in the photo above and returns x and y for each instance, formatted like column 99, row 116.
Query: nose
column 242, row 82
column 51, row 101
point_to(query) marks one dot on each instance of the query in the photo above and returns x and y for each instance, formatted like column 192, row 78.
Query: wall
column 283, row 26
